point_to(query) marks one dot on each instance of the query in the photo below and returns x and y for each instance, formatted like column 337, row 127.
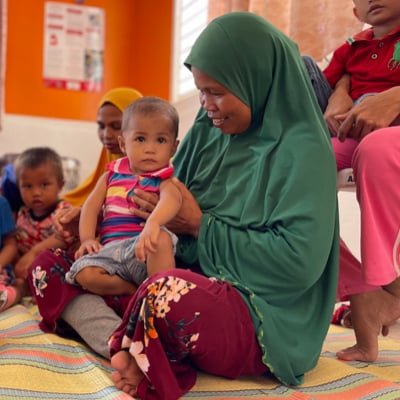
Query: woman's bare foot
column 127, row 375
column 371, row 313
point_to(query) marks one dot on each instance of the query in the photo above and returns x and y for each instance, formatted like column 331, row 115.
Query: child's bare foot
column 371, row 313
column 127, row 375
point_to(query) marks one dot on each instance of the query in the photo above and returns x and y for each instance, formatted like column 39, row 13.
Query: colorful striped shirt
column 118, row 220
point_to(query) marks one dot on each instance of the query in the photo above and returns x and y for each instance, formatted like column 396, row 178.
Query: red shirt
column 373, row 64
column 31, row 230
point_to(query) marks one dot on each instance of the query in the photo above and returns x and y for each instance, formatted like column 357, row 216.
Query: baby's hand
column 89, row 246
column 147, row 241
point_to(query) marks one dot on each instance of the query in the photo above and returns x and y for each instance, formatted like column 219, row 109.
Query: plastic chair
column 345, row 180
column 71, row 167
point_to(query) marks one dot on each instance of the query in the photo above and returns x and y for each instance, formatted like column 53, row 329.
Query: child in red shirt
column 366, row 64
column 40, row 179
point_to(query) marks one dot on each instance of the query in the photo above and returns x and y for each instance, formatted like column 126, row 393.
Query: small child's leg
column 97, row 280
column 163, row 259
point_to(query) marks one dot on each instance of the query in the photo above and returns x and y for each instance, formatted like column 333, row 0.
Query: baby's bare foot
column 127, row 375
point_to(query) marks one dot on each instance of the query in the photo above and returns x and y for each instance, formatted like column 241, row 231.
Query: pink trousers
column 376, row 164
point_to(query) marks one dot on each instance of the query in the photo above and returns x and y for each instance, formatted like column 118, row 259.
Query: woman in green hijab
column 259, row 217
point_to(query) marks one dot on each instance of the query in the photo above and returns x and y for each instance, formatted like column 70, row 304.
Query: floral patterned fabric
column 53, row 293
column 179, row 321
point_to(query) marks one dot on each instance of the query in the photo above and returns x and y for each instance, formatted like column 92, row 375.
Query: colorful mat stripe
column 35, row 365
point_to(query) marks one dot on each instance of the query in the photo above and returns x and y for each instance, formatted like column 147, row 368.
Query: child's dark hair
column 37, row 156
column 151, row 105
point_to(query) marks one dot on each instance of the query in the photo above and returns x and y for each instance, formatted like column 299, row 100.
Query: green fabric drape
column 270, row 224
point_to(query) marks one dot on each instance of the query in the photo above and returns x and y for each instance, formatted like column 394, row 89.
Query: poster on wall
column 73, row 51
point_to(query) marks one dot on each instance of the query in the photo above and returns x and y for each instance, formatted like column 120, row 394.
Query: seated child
column 10, row 290
column 40, row 179
column 365, row 65
column 149, row 139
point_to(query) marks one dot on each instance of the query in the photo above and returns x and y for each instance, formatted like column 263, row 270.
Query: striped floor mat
column 34, row 365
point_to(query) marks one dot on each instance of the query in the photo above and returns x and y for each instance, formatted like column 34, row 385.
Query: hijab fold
column 268, row 195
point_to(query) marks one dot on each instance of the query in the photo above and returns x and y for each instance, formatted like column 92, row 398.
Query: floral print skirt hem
column 179, row 322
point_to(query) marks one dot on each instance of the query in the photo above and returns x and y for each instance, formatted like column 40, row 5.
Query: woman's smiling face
column 227, row 112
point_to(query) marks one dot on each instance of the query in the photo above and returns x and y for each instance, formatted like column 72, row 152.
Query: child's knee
column 87, row 275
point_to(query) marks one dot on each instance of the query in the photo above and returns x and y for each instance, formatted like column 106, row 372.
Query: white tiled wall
column 69, row 138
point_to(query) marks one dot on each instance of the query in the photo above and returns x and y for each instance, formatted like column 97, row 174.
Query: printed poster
column 73, row 56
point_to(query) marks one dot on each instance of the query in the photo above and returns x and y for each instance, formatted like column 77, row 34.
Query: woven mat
column 35, row 365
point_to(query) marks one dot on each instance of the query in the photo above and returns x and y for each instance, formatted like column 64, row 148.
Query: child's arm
column 89, row 217
column 9, row 250
column 23, row 264
column 168, row 206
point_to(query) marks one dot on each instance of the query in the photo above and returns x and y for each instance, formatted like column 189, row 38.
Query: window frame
column 185, row 12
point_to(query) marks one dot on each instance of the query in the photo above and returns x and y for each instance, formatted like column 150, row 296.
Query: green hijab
column 270, row 223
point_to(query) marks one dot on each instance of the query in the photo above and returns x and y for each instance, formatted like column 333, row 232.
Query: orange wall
column 138, row 45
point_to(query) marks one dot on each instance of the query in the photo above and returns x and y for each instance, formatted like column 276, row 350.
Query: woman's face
column 226, row 111
column 109, row 120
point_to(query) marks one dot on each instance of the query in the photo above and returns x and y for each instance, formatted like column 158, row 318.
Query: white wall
column 69, row 138
column 349, row 218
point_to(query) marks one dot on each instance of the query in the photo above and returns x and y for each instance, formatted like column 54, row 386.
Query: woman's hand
column 66, row 224
column 374, row 112
column 145, row 201
column 188, row 219
column 339, row 103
